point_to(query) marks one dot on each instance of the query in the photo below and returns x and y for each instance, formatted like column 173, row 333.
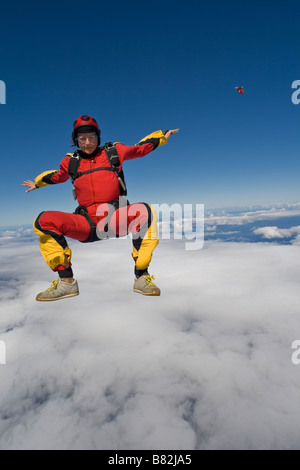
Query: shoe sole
column 57, row 298
column 154, row 293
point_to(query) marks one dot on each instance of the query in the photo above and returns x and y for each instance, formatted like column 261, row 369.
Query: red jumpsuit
column 94, row 191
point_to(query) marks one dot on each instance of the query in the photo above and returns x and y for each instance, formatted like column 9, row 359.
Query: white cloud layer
column 205, row 366
column 12, row 233
column 275, row 232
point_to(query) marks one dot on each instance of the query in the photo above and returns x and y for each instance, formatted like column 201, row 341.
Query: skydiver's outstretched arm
column 50, row 177
column 144, row 146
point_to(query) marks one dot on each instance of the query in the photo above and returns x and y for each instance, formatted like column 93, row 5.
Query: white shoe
column 59, row 290
column 144, row 285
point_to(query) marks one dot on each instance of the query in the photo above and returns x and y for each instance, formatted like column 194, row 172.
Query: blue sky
column 138, row 67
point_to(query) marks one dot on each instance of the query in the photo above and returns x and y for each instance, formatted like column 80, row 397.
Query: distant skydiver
column 103, row 210
column 240, row 89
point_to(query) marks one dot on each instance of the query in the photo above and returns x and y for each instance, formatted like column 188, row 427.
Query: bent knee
column 36, row 223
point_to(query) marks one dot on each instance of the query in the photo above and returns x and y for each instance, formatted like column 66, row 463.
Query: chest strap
column 113, row 159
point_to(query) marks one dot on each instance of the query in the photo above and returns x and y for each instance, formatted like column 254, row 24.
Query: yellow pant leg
column 143, row 255
column 54, row 254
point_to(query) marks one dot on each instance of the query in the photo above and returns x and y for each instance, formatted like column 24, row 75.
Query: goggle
column 83, row 138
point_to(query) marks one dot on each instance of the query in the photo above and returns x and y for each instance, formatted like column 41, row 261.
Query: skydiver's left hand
column 171, row 132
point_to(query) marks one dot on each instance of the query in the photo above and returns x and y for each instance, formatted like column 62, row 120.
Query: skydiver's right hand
column 30, row 184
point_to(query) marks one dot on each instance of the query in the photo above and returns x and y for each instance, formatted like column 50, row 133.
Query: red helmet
column 85, row 124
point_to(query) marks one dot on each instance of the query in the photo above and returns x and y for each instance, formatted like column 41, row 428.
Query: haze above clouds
column 240, row 217
column 205, row 366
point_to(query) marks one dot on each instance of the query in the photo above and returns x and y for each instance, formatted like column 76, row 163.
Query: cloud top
column 205, row 366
